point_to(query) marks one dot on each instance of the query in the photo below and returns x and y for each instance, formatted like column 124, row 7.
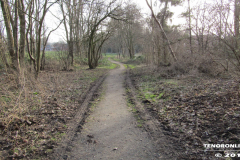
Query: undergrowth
column 34, row 114
column 196, row 110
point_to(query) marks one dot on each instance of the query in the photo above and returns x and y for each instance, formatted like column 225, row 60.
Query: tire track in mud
column 76, row 123
column 111, row 131
column 167, row 146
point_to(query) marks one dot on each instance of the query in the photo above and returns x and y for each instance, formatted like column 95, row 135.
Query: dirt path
column 111, row 131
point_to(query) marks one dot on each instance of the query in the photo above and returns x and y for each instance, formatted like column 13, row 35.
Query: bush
column 209, row 67
column 193, row 65
column 81, row 61
column 137, row 60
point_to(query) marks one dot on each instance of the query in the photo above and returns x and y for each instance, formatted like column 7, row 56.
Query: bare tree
column 132, row 28
column 36, row 15
column 21, row 12
column 161, row 28
column 11, row 29
column 44, row 44
column 190, row 26
column 30, row 40
column 203, row 26
column 98, row 13
column 228, row 32
column 68, row 23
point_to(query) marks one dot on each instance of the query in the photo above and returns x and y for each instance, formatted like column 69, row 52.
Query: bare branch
column 160, row 26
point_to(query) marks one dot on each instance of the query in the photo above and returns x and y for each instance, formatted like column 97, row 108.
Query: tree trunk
column 7, row 21
column 70, row 50
column 43, row 60
column 236, row 23
column 131, row 51
column 22, row 32
column 190, row 27
column 90, row 53
column 2, row 52
column 39, row 33
column 38, row 52
column 163, row 36
column 164, row 50
column 15, row 37
column 160, row 26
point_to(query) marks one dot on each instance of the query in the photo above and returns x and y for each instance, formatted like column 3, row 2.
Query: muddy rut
column 111, row 131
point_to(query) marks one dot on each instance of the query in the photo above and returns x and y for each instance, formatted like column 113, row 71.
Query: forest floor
column 146, row 113
column 192, row 110
column 35, row 117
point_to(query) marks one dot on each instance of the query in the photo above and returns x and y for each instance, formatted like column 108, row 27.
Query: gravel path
column 111, row 131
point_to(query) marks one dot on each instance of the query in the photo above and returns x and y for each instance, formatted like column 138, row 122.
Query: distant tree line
column 211, row 32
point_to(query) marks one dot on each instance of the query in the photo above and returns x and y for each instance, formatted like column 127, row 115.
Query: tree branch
column 160, row 26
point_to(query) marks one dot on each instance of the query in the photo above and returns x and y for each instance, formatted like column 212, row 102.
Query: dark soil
column 192, row 110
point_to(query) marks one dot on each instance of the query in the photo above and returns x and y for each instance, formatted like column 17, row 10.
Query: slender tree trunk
column 15, row 35
column 69, row 33
column 7, row 20
column 70, row 42
column 22, row 32
column 44, row 39
column 39, row 33
column 90, row 52
column 70, row 49
column 160, row 26
column 236, row 23
column 190, row 27
column 38, row 52
column 2, row 51
column 43, row 61
column 163, row 36
column 164, row 49
column 220, row 24
column 29, row 37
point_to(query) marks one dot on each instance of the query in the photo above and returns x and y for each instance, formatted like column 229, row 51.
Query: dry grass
column 15, row 100
column 34, row 115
